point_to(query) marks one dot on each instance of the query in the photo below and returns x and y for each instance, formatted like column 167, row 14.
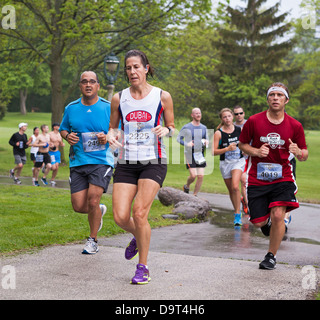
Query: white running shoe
column 103, row 212
column 91, row 247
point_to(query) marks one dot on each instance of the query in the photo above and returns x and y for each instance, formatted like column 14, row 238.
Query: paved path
column 202, row 261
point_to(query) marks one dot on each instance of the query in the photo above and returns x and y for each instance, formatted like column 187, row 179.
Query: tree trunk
column 23, row 99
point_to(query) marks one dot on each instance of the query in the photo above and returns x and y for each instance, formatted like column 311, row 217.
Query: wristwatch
column 170, row 132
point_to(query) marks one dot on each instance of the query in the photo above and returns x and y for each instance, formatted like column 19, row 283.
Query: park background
column 207, row 54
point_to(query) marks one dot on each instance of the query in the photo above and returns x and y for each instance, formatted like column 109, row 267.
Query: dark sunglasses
column 236, row 114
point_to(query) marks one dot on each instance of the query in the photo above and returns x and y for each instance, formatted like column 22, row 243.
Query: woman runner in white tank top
column 146, row 115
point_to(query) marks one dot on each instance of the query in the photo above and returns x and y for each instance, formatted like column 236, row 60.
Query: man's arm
column 261, row 152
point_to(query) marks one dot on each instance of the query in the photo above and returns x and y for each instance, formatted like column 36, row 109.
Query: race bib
column 269, row 171
column 232, row 155
column 199, row 158
column 138, row 134
column 90, row 142
column 39, row 158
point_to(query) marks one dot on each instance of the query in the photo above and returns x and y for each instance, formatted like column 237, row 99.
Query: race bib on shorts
column 269, row 171
column 39, row 158
column 90, row 142
column 199, row 158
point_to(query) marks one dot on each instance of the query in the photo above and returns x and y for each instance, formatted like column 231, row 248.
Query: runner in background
column 232, row 162
column 239, row 122
column 33, row 150
column 19, row 142
column 194, row 137
column 54, row 151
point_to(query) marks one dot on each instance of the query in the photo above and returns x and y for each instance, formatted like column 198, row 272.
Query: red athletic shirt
column 276, row 167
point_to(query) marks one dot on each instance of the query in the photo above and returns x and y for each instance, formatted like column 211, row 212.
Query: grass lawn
column 34, row 217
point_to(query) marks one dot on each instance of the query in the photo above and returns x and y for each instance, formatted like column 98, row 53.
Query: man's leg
column 200, row 175
column 192, row 176
column 88, row 201
column 277, row 230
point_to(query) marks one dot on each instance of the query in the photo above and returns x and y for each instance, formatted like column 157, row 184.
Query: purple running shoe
column 142, row 275
column 131, row 250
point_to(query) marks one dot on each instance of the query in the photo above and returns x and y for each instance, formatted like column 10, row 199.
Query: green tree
column 307, row 54
column 79, row 33
column 184, row 64
column 252, row 46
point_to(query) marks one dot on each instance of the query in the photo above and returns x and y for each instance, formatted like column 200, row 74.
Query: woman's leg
column 147, row 190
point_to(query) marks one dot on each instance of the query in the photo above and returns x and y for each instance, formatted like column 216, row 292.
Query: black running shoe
column 186, row 189
column 269, row 262
column 266, row 228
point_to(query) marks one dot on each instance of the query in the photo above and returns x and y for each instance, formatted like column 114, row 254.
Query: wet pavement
column 220, row 239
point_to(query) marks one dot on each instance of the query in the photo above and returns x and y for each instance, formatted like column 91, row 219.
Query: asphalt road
column 204, row 261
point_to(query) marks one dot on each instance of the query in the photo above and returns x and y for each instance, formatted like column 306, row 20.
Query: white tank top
column 33, row 149
column 138, row 117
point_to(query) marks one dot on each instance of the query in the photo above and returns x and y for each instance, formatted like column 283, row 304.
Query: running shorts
column 33, row 156
column 42, row 158
column 20, row 159
column 55, row 157
column 227, row 166
column 262, row 198
column 96, row 174
column 131, row 173
column 193, row 164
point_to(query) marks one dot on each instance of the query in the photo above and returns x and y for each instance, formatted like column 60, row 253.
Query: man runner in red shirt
column 268, row 138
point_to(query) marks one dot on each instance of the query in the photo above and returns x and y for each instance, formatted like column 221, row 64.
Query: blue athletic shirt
column 86, row 121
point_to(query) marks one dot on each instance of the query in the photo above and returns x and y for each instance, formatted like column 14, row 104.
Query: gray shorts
column 226, row 166
column 96, row 174
column 18, row 159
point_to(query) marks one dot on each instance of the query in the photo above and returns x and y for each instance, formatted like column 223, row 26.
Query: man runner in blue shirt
column 84, row 125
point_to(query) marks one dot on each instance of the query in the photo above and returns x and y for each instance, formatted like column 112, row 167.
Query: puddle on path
column 244, row 235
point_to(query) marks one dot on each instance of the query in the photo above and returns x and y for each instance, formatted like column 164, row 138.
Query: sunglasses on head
column 236, row 114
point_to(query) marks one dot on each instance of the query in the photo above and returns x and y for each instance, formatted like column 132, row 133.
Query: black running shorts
column 96, row 174
column 262, row 198
column 131, row 173
column 42, row 157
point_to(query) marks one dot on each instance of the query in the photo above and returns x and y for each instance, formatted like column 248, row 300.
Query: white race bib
column 91, row 143
column 269, row 171
column 199, row 158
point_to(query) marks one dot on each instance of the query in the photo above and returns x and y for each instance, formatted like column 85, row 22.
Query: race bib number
column 232, row 155
column 39, row 158
column 199, row 158
column 90, row 142
column 138, row 134
column 269, row 171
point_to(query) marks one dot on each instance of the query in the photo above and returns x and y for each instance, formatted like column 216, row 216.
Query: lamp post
column 111, row 70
